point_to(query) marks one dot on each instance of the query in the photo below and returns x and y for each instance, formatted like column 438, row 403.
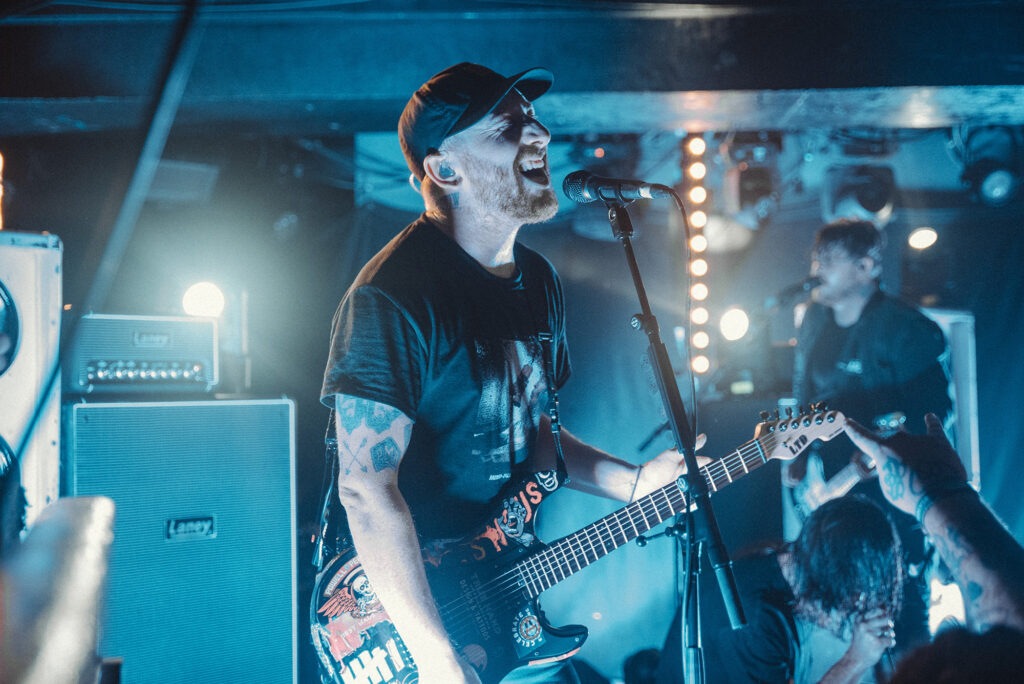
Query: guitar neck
column 845, row 480
column 570, row 554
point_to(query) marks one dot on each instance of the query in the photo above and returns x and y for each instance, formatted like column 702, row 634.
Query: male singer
column 445, row 351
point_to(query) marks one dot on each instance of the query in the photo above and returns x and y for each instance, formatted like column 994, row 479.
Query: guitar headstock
column 793, row 434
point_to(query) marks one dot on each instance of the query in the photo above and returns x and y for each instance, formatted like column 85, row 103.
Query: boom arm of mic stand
column 684, row 435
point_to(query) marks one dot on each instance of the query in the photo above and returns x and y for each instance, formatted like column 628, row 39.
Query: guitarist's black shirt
column 891, row 359
column 425, row 329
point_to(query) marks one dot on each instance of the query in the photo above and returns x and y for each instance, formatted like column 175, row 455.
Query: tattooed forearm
column 985, row 560
column 371, row 436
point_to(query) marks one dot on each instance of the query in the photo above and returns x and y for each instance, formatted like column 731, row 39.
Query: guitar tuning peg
column 789, row 411
column 765, row 416
column 776, row 414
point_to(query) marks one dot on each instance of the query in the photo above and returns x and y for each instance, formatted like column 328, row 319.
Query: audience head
column 847, row 561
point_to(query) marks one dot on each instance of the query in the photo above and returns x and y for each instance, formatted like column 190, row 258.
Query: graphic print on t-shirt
column 511, row 387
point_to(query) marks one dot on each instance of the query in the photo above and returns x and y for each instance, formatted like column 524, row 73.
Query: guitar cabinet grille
column 201, row 585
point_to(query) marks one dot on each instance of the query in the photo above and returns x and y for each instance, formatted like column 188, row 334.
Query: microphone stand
column 692, row 483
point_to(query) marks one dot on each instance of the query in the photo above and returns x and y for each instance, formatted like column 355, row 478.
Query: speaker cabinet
column 30, row 312
column 202, row 582
column 958, row 327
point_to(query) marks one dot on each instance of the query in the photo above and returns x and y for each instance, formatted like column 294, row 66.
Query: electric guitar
column 487, row 585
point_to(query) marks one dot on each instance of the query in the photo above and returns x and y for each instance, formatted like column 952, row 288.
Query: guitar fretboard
column 570, row 554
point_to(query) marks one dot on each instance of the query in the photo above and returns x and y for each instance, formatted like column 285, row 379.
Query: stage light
column 922, row 238
column 866, row 192
column 699, row 267
column 699, row 291
column 203, row 299
column 734, row 324
column 752, row 191
column 699, row 316
column 696, row 146
column 700, row 364
column 992, row 163
column 698, row 243
column 697, row 170
column 992, row 182
column 698, row 194
column 749, row 186
column 701, row 339
column 698, row 219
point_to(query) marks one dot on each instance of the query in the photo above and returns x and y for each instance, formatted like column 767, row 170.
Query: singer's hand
column 665, row 468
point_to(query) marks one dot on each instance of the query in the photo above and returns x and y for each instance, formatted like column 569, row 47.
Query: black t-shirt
column 426, row 329
column 891, row 360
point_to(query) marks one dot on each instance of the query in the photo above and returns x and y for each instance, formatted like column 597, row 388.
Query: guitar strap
column 329, row 504
column 556, row 427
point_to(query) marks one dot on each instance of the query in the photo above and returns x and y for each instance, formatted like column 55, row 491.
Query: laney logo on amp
column 189, row 529
column 150, row 340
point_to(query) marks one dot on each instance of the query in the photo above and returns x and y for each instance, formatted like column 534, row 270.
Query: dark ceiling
column 322, row 67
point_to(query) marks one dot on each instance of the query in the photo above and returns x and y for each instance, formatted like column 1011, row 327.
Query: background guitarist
column 443, row 353
column 870, row 355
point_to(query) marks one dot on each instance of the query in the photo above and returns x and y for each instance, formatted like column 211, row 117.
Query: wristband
column 929, row 499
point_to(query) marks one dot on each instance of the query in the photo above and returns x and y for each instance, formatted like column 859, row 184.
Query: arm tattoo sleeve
column 986, row 561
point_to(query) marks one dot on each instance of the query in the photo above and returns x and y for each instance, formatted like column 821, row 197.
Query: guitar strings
column 528, row 577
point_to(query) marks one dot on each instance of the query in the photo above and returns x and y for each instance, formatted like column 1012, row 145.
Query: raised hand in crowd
column 922, row 475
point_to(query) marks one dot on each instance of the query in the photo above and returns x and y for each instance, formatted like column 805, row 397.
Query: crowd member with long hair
column 819, row 609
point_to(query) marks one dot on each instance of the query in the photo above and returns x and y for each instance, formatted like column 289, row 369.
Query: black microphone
column 583, row 187
column 794, row 290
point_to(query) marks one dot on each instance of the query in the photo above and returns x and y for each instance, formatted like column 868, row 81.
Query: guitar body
column 491, row 615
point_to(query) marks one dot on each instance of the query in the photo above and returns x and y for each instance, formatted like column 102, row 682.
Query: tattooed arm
column 372, row 438
column 923, row 476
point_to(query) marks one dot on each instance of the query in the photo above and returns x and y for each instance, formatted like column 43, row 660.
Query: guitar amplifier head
column 126, row 354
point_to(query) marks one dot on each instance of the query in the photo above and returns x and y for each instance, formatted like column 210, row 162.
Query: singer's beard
column 506, row 191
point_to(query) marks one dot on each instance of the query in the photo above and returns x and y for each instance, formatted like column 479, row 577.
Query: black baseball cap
column 455, row 99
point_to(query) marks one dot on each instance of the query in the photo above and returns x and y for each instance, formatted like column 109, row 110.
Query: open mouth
column 535, row 170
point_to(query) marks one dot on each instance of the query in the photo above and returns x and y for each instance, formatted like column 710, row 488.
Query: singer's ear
column 438, row 167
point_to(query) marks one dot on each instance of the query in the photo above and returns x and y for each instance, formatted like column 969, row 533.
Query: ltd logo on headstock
column 797, row 445
column 788, row 437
